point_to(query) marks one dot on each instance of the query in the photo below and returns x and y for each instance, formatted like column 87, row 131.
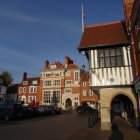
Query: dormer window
column 25, row 82
column 34, row 82
column 53, row 67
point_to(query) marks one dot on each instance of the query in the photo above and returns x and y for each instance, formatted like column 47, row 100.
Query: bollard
column 93, row 120
column 89, row 122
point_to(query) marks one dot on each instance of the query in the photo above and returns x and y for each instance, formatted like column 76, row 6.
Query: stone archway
column 122, row 106
column 68, row 103
column 107, row 95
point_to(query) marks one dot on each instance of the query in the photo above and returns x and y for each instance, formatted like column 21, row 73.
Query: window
column 56, row 82
column 25, row 82
column 68, row 82
column 48, row 75
column 76, row 76
column 84, row 84
column 24, row 90
column 56, row 97
column 56, row 74
column 32, row 89
column 53, row 67
column 31, row 98
column 68, row 73
column 110, row 57
column 47, row 83
column 47, row 97
column 90, row 93
column 35, row 82
column 84, row 93
column 68, row 90
column 20, row 90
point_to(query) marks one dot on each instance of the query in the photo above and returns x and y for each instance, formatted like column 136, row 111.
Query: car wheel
column 7, row 117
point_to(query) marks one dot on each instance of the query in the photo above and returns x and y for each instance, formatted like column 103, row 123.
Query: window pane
column 106, row 53
column 112, row 52
column 119, row 61
column 102, row 63
column 118, row 51
column 107, row 62
column 101, row 53
column 113, row 61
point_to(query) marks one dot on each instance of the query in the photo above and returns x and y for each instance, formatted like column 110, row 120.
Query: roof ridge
column 107, row 23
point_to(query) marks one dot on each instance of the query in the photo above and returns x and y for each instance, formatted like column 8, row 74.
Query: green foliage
column 6, row 77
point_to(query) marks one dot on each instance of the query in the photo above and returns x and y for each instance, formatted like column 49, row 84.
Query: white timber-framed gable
column 110, row 69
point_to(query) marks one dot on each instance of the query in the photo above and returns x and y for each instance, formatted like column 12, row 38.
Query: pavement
column 121, row 130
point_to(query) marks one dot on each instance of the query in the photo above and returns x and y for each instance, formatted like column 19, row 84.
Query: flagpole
column 83, row 18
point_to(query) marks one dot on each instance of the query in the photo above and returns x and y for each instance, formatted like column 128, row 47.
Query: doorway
column 122, row 106
column 68, row 103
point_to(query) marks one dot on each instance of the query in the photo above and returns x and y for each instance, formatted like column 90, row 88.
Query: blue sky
column 32, row 31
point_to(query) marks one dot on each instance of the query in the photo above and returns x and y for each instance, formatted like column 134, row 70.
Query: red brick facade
column 61, row 85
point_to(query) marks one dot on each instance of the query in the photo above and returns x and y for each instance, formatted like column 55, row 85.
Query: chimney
column 68, row 60
column 46, row 64
column 24, row 76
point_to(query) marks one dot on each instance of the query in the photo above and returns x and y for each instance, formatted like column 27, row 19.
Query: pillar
column 105, row 118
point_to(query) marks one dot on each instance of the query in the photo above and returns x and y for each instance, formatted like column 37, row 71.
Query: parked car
column 54, row 109
column 27, row 112
column 10, row 111
column 84, row 109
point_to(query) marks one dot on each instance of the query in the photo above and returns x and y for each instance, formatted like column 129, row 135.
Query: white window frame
column 34, row 89
column 68, row 82
column 30, row 97
column 84, row 93
column 47, row 97
column 57, row 82
column 68, row 73
column 24, row 90
column 56, row 74
column 68, row 90
column 35, row 82
column 53, row 67
column 47, row 83
column 20, row 90
column 84, row 84
column 76, row 76
column 25, row 82
column 48, row 74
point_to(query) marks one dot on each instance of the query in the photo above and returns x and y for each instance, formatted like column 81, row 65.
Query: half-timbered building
column 107, row 48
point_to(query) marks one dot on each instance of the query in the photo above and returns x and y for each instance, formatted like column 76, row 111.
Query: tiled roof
column 103, row 35
column 59, row 65
column 72, row 66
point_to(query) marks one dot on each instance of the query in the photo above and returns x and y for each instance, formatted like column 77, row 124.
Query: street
column 53, row 127
column 66, row 126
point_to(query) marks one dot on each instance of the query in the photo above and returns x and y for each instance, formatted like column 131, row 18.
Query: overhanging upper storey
column 101, row 35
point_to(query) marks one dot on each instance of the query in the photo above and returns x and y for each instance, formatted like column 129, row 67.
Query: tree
column 6, row 77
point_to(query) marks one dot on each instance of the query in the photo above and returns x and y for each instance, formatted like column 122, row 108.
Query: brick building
column 64, row 85
column 29, row 90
